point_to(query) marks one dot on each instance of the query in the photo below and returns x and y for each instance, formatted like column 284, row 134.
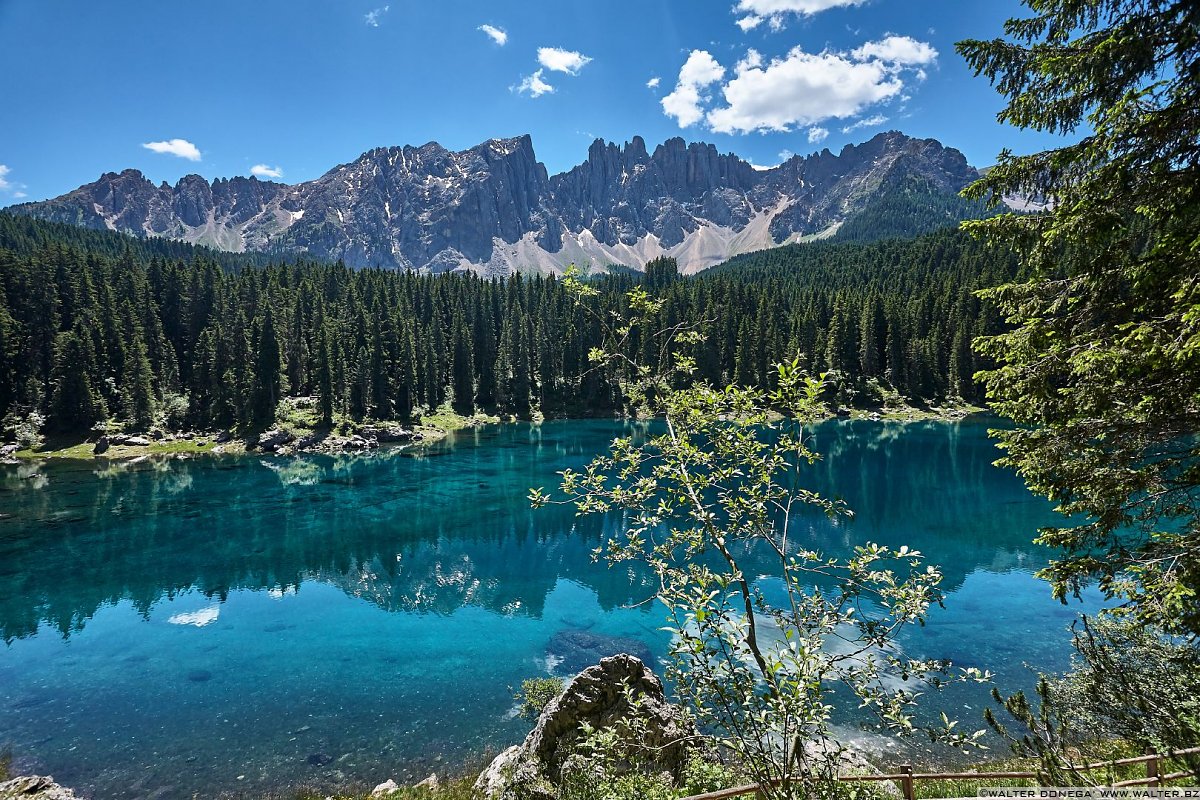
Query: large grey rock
column 386, row 789
column 34, row 787
column 432, row 783
column 386, row 433
column 272, row 440
column 597, row 696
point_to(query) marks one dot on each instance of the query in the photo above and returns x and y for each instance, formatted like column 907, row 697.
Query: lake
column 247, row 624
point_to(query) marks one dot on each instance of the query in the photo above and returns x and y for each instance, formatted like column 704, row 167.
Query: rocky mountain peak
column 494, row 207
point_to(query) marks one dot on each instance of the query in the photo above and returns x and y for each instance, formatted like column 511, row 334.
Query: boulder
column 309, row 442
column 430, row 783
column 596, row 696
column 386, row 433
column 223, row 437
column 500, row 775
column 101, row 446
column 273, row 439
column 34, row 787
column 388, row 787
column 136, row 441
column 8, row 449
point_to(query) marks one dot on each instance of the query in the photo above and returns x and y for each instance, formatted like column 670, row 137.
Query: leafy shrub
column 536, row 694
column 26, row 431
column 173, row 411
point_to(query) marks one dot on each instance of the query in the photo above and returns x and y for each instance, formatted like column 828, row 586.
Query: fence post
column 907, row 785
column 1152, row 773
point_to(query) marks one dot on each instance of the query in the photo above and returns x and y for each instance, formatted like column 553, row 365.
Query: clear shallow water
column 235, row 625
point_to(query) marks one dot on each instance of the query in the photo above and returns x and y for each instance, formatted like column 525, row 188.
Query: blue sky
column 296, row 87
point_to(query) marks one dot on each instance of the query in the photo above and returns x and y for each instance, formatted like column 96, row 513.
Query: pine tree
column 266, row 391
column 138, row 402
column 1102, row 367
column 324, row 376
column 464, row 368
column 75, row 404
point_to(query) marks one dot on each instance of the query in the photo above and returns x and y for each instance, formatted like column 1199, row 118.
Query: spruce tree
column 266, row 381
column 75, row 404
column 138, row 401
column 1102, row 365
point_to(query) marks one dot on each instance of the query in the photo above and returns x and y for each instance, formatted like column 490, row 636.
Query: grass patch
column 460, row 789
column 447, row 419
column 298, row 415
column 969, row 787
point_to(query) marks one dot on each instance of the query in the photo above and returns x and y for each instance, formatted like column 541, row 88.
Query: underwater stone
column 577, row 650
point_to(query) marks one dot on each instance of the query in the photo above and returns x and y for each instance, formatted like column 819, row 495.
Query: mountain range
column 494, row 209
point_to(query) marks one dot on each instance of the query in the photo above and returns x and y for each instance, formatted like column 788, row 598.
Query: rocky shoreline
column 278, row 441
column 282, row 441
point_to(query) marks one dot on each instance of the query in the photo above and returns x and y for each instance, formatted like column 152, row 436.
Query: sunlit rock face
column 494, row 209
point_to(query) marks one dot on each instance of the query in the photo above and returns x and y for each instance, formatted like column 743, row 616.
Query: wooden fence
column 906, row 779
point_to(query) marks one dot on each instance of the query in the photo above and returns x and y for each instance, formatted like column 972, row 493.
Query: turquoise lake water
column 235, row 625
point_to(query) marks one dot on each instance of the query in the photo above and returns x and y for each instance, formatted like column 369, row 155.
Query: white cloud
column 752, row 60
column 497, row 35
column 685, row 102
column 898, row 50
column 176, row 147
column 372, row 17
column 558, row 60
column 264, row 171
column 799, row 89
column 784, row 155
column 866, row 122
column 653, row 82
column 8, row 186
column 205, row 616
column 775, row 12
column 533, row 85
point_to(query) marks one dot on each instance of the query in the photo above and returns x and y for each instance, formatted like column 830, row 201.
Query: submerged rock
column 575, row 650
column 34, row 787
column 598, row 697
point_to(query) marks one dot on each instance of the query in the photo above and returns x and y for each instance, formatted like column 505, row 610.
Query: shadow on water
column 250, row 623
